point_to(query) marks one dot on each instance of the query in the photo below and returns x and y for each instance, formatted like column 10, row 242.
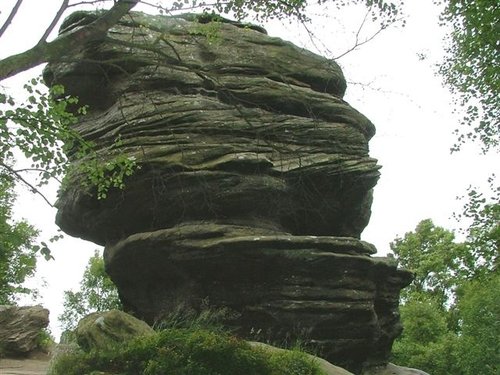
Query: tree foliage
column 41, row 130
column 479, row 309
column 438, row 262
column 483, row 232
column 471, row 67
column 38, row 128
column 426, row 343
column 385, row 11
column 450, row 312
column 17, row 247
column 97, row 293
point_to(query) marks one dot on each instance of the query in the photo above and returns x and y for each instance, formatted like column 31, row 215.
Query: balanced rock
column 20, row 328
column 254, row 186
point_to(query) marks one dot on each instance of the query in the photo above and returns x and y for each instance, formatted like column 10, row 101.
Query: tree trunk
column 64, row 44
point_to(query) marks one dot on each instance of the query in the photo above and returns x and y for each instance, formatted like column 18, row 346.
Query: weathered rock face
column 20, row 328
column 255, row 183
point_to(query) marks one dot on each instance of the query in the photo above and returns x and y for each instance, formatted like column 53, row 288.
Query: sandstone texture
column 20, row 329
column 254, row 186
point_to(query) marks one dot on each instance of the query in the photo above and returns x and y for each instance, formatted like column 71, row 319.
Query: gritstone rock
column 20, row 328
column 101, row 330
column 254, row 186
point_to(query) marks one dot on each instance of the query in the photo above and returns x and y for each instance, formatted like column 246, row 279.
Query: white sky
column 405, row 101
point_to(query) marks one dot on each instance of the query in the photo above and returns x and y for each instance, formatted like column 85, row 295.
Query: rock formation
column 254, row 185
column 101, row 330
column 20, row 328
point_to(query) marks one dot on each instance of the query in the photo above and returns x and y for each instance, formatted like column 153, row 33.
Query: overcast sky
column 389, row 84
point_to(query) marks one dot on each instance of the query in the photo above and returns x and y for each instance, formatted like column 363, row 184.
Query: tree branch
column 66, row 43
column 11, row 17
column 54, row 22
column 18, row 176
column 357, row 43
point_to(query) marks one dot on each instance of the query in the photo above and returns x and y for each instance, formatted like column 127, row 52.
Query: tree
column 64, row 45
column 97, row 293
column 17, row 248
column 471, row 67
column 483, row 232
column 437, row 261
column 427, row 343
column 479, row 311
column 450, row 312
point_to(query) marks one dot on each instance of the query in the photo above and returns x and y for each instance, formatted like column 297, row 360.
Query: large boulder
column 101, row 330
column 255, row 183
column 20, row 328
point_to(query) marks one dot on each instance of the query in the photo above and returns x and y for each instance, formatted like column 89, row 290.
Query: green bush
column 45, row 341
column 186, row 351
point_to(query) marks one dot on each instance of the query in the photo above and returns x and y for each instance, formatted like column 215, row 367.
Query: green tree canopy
column 471, row 67
column 451, row 312
column 97, row 293
column 17, row 248
column 435, row 258
column 479, row 311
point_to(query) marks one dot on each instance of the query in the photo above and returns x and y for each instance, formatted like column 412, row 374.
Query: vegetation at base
column 451, row 311
column 45, row 341
column 186, row 351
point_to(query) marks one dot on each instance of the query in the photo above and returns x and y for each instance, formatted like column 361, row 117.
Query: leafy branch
column 42, row 130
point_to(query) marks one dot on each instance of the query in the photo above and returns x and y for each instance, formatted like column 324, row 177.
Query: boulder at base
column 103, row 329
column 20, row 327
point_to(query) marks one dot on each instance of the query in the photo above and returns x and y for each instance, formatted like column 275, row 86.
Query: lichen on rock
column 255, row 183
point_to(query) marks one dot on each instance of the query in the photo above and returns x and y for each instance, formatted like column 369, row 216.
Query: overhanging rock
column 255, row 183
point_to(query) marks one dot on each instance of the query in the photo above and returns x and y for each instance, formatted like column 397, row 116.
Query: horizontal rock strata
column 254, row 185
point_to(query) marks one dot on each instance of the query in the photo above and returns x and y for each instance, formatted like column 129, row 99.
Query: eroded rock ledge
column 255, row 183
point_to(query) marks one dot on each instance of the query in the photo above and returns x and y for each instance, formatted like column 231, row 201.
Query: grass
column 186, row 351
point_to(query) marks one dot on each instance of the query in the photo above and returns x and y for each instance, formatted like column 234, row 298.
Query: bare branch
column 86, row 3
column 66, row 43
column 18, row 176
column 357, row 43
column 38, row 170
column 64, row 6
column 11, row 17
